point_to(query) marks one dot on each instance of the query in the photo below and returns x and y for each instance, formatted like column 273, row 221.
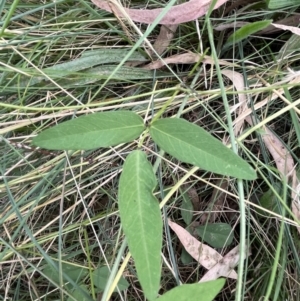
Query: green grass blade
column 277, row 4
column 191, row 144
column 247, row 30
column 92, row 131
column 205, row 291
column 141, row 220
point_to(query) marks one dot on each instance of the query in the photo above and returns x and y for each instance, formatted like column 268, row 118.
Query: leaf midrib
column 140, row 215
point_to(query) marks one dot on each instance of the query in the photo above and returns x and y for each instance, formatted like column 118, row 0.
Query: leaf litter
column 206, row 255
column 177, row 14
column 226, row 266
column 283, row 159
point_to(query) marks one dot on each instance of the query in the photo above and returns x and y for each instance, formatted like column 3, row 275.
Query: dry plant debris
column 283, row 159
column 177, row 14
column 208, row 257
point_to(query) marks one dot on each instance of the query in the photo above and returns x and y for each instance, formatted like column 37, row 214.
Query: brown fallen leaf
column 285, row 165
column 225, row 267
column 283, row 159
column 291, row 80
column 177, row 14
column 292, row 20
column 238, row 82
column 164, row 38
column 292, row 29
column 204, row 254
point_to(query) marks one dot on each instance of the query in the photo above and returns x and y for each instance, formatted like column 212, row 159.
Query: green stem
column 279, row 245
column 239, row 290
column 13, row 7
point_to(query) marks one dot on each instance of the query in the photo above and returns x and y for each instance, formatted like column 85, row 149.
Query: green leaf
column 277, row 4
column 75, row 273
column 100, row 277
column 92, row 75
column 141, row 220
column 92, row 131
column 247, row 30
column 111, row 55
column 205, row 291
column 217, row 235
column 191, row 144
column 103, row 72
column 185, row 257
column 87, row 60
column 78, row 294
column 186, row 208
column 270, row 201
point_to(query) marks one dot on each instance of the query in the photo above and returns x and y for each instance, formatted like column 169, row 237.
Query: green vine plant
column 139, row 209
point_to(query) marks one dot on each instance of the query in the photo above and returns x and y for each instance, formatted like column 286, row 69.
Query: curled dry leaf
column 185, row 58
column 289, row 23
column 283, row 159
column 291, row 79
column 164, row 38
column 285, row 164
column 177, row 14
column 292, row 20
column 238, row 82
column 204, row 254
column 225, row 267
column 292, row 29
